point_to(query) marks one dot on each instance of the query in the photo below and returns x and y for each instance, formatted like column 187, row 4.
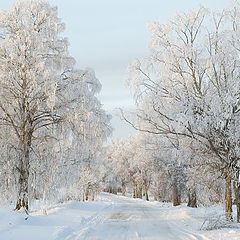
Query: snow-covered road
column 111, row 217
column 134, row 219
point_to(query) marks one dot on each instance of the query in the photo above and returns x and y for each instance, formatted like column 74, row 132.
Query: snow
column 112, row 217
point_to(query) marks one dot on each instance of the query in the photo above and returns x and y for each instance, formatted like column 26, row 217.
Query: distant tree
column 118, row 155
column 132, row 164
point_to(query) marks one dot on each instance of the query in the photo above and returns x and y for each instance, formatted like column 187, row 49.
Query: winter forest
column 55, row 140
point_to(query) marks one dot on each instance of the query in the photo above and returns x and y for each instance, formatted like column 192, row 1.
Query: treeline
column 187, row 94
column 144, row 166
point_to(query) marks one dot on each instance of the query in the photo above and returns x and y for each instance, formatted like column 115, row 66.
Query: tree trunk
column 145, row 190
column 134, row 189
column 83, row 197
column 238, row 203
column 123, row 189
column 237, row 196
column 176, row 195
column 139, row 191
column 25, row 141
column 86, row 194
column 228, row 197
column 22, row 199
column 192, row 198
column 35, row 193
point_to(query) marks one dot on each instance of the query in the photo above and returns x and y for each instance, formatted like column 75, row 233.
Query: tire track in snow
column 130, row 219
column 90, row 224
column 84, row 227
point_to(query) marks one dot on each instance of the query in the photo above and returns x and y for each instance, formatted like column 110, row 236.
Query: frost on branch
column 188, row 89
column 48, row 108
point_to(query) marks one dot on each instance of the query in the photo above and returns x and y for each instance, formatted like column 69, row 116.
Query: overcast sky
column 107, row 35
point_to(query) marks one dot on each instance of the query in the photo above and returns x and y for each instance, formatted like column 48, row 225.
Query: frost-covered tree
column 43, row 98
column 132, row 163
column 205, row 183
column 118, row 155
column 189, row 87
column 169, row 167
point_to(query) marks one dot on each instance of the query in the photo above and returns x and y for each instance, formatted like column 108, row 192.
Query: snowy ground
column 112, row 217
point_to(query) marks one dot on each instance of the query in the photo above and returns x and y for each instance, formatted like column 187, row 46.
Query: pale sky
column 107, row 35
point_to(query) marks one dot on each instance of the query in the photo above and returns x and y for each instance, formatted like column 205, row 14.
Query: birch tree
column 42, row 96
column 189, row 86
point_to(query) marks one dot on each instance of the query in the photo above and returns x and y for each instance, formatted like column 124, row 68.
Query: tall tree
column 189, row 86
column 41, row 94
